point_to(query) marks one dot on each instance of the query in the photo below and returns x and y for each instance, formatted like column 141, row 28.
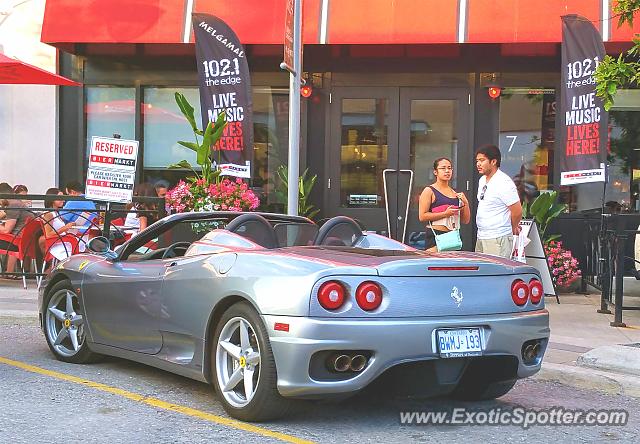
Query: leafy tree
column 624, row 71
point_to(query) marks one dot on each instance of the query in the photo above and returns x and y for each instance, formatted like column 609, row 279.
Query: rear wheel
column 244, row 367
column 64, row 325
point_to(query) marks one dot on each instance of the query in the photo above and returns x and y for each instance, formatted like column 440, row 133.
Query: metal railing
column 25, row 244
column 615, row 239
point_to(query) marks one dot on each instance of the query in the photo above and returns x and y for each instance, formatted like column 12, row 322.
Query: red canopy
column 16, row 72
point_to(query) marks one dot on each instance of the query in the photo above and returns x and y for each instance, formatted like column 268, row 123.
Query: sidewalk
column 583, row 351
column 15, row 301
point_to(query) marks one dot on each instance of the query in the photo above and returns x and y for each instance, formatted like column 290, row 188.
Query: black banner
column 583, row 134
column 225, row 84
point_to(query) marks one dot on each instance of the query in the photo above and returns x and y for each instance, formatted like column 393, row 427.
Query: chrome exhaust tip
column 358, row 363
column 530, row 352
column 341, row 363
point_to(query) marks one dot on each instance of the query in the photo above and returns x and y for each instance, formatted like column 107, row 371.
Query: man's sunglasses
column 484, row 190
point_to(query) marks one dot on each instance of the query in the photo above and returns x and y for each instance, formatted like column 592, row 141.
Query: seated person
column 140, row 221
column 54, row 227
column 14, row 221
column 22, row 189
column 79, row 218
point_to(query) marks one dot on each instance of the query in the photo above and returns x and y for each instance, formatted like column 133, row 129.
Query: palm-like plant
column 210, row 137
column 544, row 209
column 305, row 185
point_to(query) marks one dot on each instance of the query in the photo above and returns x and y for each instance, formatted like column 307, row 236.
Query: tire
column 254, row 363
column 483, row 391
column 64, row 327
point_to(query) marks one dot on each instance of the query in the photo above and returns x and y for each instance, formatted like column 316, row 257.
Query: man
column 81, row 218
column 161, row 187
column 499, row 209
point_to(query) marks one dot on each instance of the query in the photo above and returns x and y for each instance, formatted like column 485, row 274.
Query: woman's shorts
column 430, row 239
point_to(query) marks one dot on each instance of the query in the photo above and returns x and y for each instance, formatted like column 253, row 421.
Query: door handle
column 171, row 264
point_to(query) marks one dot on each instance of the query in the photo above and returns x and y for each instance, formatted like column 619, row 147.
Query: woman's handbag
column 449, row 241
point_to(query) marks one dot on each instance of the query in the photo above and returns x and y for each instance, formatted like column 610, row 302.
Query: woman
column 54, row 227
column 140, row 221
column 440, row 206
column 22, row 189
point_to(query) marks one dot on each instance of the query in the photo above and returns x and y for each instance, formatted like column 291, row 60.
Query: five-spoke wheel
column 244, row 370
column 64, row 325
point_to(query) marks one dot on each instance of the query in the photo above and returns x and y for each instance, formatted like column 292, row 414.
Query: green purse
column 449, row 241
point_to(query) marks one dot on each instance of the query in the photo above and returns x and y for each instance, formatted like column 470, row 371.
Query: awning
column 71, row 22
column 14, row 71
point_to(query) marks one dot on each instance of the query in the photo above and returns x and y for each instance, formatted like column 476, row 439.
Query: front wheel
column 64, row 325
column 244, row 367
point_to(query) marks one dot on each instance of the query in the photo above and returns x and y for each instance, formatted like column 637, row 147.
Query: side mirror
column 102, row 246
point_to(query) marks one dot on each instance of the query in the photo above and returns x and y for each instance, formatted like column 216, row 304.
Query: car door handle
column 171, row 264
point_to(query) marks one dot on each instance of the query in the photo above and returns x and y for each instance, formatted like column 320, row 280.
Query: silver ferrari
column 271, row 309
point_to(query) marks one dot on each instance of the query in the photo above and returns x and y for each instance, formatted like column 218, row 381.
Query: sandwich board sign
column 528, row 249
column 112, row 169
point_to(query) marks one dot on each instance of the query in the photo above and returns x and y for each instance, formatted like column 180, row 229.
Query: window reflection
column 109, row 110
column 164, row 125
column 363, row 152
column 433, row 135
column 527, row 138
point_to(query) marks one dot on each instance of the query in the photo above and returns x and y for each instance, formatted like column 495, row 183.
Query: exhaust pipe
column 358, row 362
column 341, row 363
column 530, row 352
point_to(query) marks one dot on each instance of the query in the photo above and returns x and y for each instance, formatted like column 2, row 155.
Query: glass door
column 364, row 143
column 383, row 144
column 433, row 123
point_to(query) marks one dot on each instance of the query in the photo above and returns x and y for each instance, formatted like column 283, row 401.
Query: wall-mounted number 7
column 513, row 141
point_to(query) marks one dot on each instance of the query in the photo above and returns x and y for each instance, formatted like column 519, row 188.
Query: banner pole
column 294, row 112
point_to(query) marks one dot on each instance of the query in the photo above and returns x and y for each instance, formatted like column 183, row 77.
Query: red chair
column 66, row 238
column 26, row 242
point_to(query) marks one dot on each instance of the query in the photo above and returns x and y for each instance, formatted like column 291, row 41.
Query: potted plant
column 206, row 190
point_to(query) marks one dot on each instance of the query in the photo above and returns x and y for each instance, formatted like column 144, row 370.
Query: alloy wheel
column 64, row 323
column 238, row 362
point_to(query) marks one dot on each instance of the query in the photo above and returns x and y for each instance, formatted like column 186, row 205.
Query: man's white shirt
column 493, row 217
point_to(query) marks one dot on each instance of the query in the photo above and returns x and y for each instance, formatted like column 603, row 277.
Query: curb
column 590, row 379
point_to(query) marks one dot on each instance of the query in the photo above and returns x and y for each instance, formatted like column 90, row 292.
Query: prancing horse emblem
column 456, row 295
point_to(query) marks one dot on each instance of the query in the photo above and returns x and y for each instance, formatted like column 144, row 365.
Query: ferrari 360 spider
column 271, row 308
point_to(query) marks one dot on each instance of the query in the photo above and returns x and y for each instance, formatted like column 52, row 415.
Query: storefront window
column 163, row 125
column 109, row 111
column 527, row 138
column 623, row 161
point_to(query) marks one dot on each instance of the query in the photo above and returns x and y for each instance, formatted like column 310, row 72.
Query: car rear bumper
column 391, row 342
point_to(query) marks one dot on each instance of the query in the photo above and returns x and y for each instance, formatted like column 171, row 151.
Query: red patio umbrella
column 16, row 72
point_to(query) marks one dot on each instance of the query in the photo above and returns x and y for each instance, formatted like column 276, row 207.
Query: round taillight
column 519, row 292
column 331, row 295
column 369, row 296
column 536, row 291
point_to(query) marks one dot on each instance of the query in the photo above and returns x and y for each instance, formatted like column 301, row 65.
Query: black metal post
column 106, row 229
column 621, row 238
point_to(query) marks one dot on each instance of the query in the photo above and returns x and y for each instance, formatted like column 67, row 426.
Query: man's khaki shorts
column 500, row 246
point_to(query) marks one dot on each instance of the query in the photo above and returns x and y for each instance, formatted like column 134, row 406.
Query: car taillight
column 519, row 292
column 369, row 296
column 535, row 290
column 331, row 295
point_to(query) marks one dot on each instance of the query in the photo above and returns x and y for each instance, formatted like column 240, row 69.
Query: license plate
column 459, row 342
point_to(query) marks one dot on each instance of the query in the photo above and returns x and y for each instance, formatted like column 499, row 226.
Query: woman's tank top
column 440, row 204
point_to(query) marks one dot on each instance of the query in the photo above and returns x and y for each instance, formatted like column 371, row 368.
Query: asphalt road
column 115, row 401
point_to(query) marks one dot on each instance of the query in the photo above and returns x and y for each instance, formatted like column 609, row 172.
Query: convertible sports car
column 270, row 308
